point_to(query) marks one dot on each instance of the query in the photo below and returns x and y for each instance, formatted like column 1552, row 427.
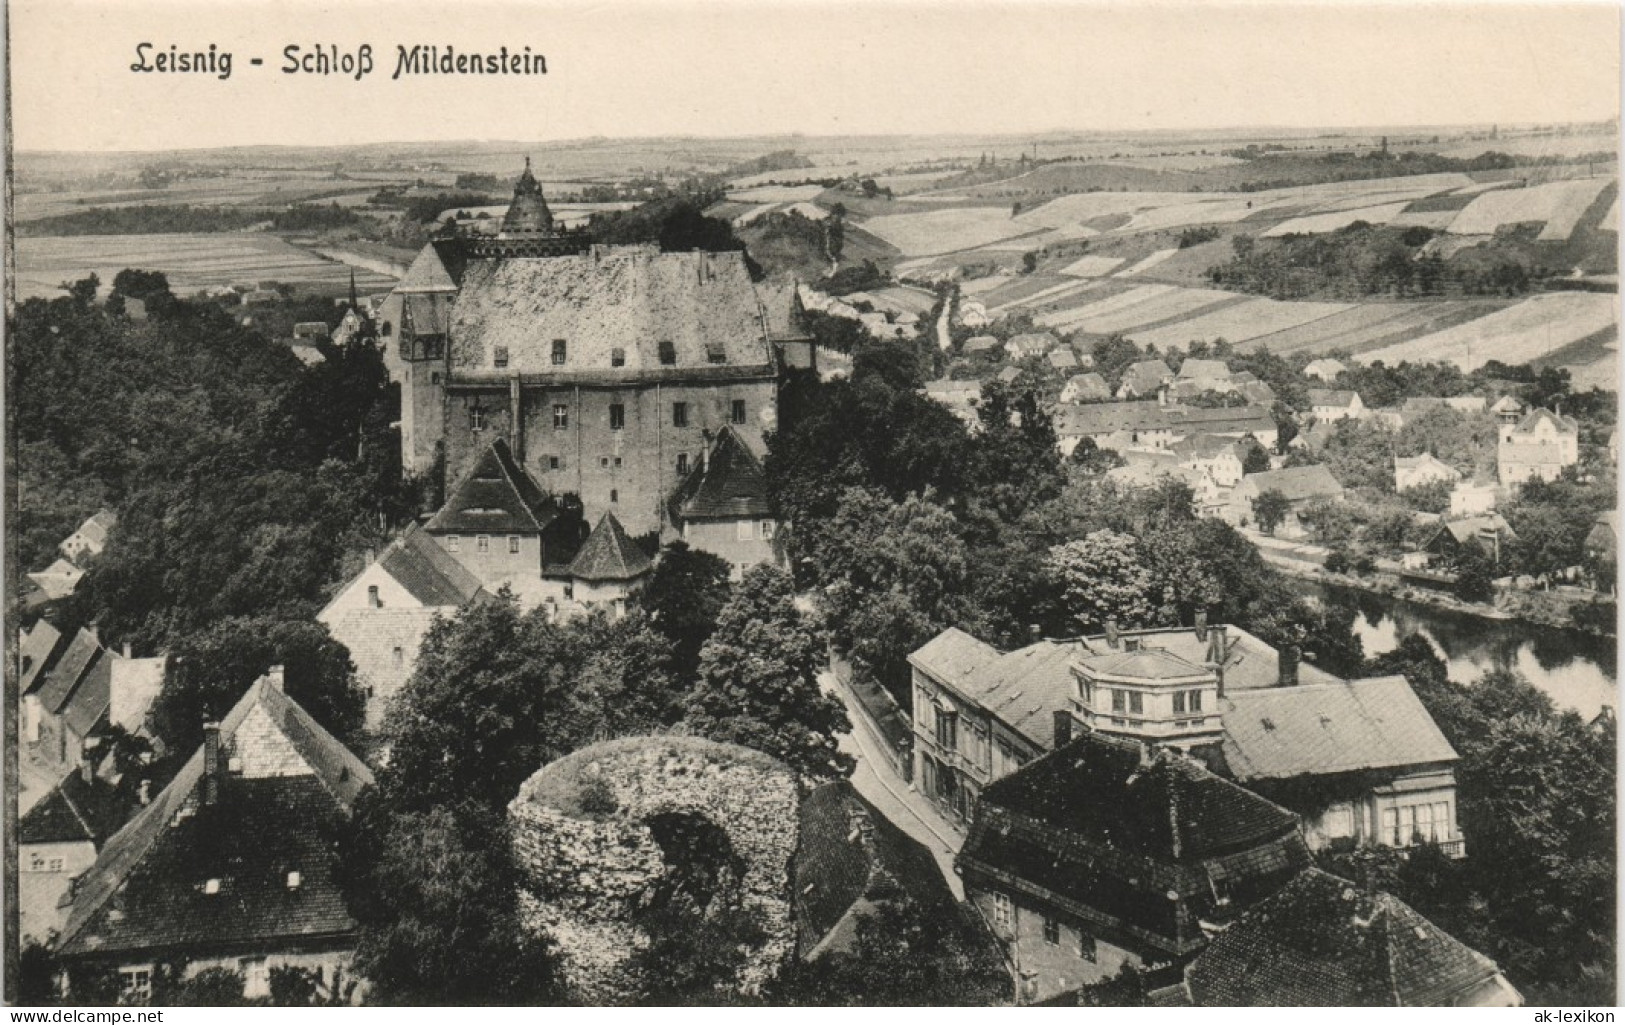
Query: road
column 883, row 788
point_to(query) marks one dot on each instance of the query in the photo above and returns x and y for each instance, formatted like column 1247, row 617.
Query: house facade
column 1538, row 446
column 722, row 505
column 1300, row 484
column 1331, row 405
column 1416, row 471
column 1104, row 854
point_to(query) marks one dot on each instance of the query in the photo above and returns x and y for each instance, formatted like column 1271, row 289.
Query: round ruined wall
column 589, row 858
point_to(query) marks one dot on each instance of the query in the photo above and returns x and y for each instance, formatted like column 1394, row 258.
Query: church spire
column 528, row 214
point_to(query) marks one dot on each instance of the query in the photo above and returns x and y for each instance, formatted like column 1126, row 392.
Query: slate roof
column 496, row 495
column 1130, row 845
column 1022, row 687
column 1144, row 664
column 76, row 812
column 952, row 655
column 1337, row 398
column 1259, row 393
column 609, row 554
column 146, row 890
column 838, row 863
column 91, row 699
column 1325, row 728
column 1323, row 941
column 1249, row 663
column 1297, row 483
column 1110, row 417
column 1223, row 420
column 437, row 268
column 64, row 678
column 728, row 484
column 427, row 571
column 625, row 298
column 36, row 650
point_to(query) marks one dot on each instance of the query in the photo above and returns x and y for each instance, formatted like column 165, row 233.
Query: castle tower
column 528, row 214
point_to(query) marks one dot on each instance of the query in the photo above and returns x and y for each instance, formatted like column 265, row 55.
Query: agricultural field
column 947, row 231
column 191, row 262
column 1534, row 328
column 1157, row 258
column 776, row 194
column 1092, row 266
column 1059, row 297
column 1539, row 146
column 1559, row 205
column 1320, row 224
column 1238, row 322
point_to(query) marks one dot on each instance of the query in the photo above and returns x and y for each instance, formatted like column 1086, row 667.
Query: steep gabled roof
column 847, row 851
column 1534, row 418
column 1089, row 386
column 496, row 495
column 428, row 572
column 64, row 678
column 1297, row 482
column 76, row 811
column 38, row 648
column 436, row 269
column 146, row 889
column 92, row 698
column 1146, row 375
column 609, row 554
column 1203, row 368
column 1325, row 728
column 1325, row 942
column 728, row 484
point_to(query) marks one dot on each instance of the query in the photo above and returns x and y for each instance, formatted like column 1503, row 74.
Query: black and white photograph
column 832, row 503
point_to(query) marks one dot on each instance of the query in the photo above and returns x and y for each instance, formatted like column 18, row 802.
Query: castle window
column 513, row 544
column 1196, row 700
column 1179, row 700
column 476, row 419
column 555, row 463
column 454, row 543
column 617, row 416
column 1136, row 702
column 738, row 411
column 715, row 353
column 1003, row 911
column 1086, row 945
column 616, row 462
column 561, row 417
column 1052, row 931
column 679, row 414
column 387, row 329
column 603, row 462
column 767, row 530
column 398, row 654
column 614, row 496
column 682, row 464
column 136, row 984
column 500, row 356
column 617, row 357
column 1119, row 700
column 482, row 544
column 372, row 597
column 668, row 354
column 559, row 352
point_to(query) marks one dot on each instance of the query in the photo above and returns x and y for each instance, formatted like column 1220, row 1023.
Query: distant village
column 1148, row 798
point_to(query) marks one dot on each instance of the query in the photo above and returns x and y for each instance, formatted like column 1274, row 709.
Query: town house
column 1300, row 484
column 1329, row 405
column 1539, row 445
column 1416, row 471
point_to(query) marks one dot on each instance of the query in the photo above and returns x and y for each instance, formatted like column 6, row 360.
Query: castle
column 609, row 371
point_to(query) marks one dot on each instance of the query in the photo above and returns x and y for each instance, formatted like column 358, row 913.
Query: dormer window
column 617, row 357
column 560, row 352
column 668, row 354
column 500, row 356
column 715, row 353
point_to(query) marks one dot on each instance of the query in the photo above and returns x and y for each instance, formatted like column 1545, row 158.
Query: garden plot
column 1558, row 204
column 935, row 232
column 1320, row 224
column 1092, row 266
column 1149, row 262
column 1238, row 323
column 1539, row 325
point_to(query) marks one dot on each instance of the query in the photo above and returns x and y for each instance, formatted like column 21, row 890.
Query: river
column 1578, row 671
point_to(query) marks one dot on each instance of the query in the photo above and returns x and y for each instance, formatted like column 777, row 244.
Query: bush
column 1337, row 562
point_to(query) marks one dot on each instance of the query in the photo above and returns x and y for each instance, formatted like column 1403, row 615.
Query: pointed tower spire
column 354, row 303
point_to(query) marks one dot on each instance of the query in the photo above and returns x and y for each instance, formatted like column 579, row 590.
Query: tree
column 1105, row 578
column 435, row 895
column 1255, row 460
column 214, row 667
column 683, row 598
column 1029, row 261
column 758, row 681
column 1270, row 509
column 1475, row 574
column 1093, row 460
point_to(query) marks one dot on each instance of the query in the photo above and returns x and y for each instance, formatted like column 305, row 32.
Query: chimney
column 128, row 651
column 1111, row 632
column 1034, row 632
column 1162, row 394
column 273, row 677
column 516, row 419
column 1201, row 626
column 1063, row 728
column 211, row 762
column 87, row 768
column 1216, row 655
column 1288, row 662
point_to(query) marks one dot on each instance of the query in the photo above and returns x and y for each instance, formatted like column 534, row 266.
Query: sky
column 714, row 68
